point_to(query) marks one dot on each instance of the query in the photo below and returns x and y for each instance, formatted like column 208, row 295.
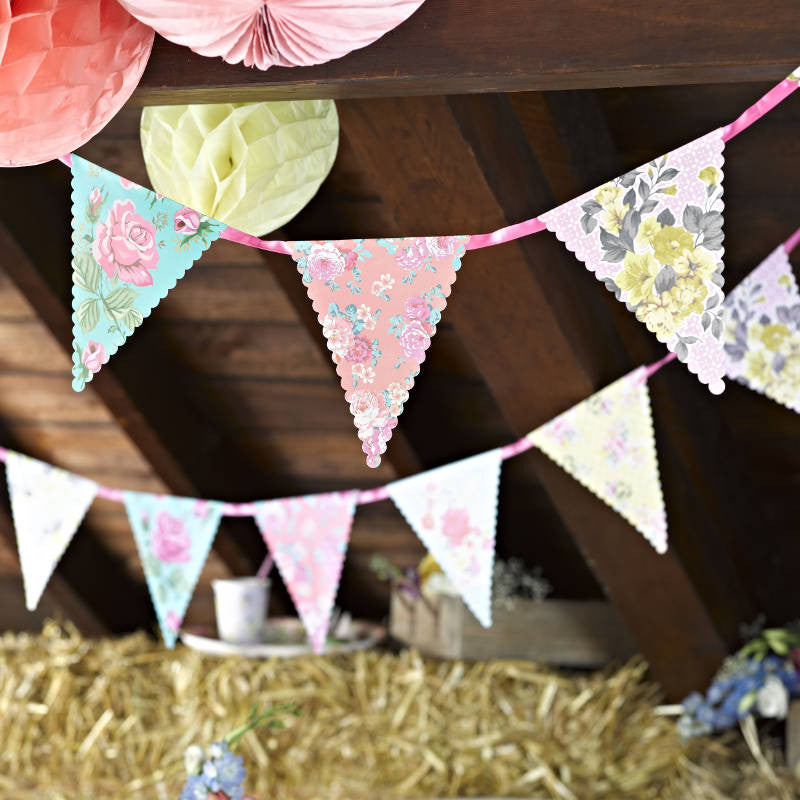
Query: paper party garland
column 762, row 331
column 378, row 302
column 607, row 443
column 173, row 536
column 654, row 237
column 130, row 247
column 308, row 538
column 453, row 510
column 47, row 504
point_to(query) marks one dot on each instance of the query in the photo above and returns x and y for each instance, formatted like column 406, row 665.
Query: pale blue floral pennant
column 173, row 536
column 130, row 247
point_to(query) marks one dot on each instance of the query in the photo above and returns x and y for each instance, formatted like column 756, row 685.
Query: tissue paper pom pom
column 66, row 67
column 288, row 33
column 252, row 166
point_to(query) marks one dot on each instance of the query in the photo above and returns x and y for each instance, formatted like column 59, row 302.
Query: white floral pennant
column 379, row 302
column 606, row 442
column 308, row 538
column 654, row 237
column 48, row 504
column 130, row 247
column 762, row 331
column 173, row 536
column 453, row 510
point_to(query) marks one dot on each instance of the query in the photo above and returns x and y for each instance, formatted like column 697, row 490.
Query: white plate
column 283, row 637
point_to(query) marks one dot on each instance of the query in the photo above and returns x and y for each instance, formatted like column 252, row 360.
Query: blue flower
column 194, row 789
column 224, row 771
column 210, row 776
column 692, row 702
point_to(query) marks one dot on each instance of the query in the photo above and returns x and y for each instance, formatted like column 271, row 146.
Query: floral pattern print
column 308, row 538
column 173, row 536
column 130, row 247
column 762, row 331
column 654, row 237
column 607, row 443
column 48, row 504
column 379, row 302
column 453, row 510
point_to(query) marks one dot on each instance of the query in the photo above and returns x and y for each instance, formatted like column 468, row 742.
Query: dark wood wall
column 227, row 390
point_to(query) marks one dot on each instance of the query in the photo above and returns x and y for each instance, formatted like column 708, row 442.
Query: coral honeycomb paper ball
column 263, row 33
column 66, row 67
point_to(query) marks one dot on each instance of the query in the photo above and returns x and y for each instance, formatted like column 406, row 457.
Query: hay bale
column 111, row 718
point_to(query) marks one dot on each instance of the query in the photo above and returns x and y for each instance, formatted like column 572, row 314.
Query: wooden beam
column 415, row 148
column 467, row 46
column 130, row 401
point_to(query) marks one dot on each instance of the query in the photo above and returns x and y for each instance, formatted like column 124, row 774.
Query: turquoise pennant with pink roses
column 130, row 247
column 379, row 302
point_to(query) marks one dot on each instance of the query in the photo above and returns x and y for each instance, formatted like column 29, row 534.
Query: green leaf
column 121, row 300
column 88, row 314
column 86, row 273
column 132, row 319
column 747, row 702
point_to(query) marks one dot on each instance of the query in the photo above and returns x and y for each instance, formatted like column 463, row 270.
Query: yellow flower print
column 775, row 337
column 611, row 217
column 757, row 367
column 699, row 262
column 637, row 276
column 608, row 194
column 673, row 190
column 648, row 228
column 670, row 242
column 689, row 294
column 785, row 387
column 709, row 175
column 661, row 316
column 785, row 281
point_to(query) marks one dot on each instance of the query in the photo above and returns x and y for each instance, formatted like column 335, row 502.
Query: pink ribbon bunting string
column 792, row 242
column 757, row 110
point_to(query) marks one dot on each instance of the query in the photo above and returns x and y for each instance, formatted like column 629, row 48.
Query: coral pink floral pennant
column 453, row 510
column 173, row 536
column 308, row 538
column 48, row 504
column 654, row 237
column 762, row 331
column 607, row 443
column 130, row 247
column 378, row 302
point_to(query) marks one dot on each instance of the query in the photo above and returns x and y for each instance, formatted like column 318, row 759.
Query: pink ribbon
column 274, row 246
column 792, row 242
column 757, row 110
column 507, row 234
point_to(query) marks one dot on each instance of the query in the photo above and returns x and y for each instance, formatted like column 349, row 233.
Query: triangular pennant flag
column 453, row 510
column 308, row 538
column 130, row 247
column 607, row 443
column 48, row 504
column 173, row 536
column 654, row 237
column 762, row 331
column 379, row 301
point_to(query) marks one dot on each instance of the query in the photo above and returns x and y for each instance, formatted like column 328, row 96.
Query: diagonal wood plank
column 415, row 148
column 454, row 46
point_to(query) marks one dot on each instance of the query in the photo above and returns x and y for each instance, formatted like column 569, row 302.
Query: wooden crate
column 578, row 633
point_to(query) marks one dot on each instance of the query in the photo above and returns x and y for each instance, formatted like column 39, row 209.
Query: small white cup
column 241, row 608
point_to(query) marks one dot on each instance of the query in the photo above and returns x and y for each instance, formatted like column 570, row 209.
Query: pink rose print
column 338, row 332
column 173, row 621
column 427, row 521
column 126, row 184
column 412, row 255
column 125, row 245
column 169, row 540
column 368, row 410
column 350, row 259
column 416, row 308
column 439, row 246
column 414, row 340
column 456, row 525
column 94, row 356
column 325, row 262
column 187, row 221
column 200, row 508
column 359, row 351
column 95, row 199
